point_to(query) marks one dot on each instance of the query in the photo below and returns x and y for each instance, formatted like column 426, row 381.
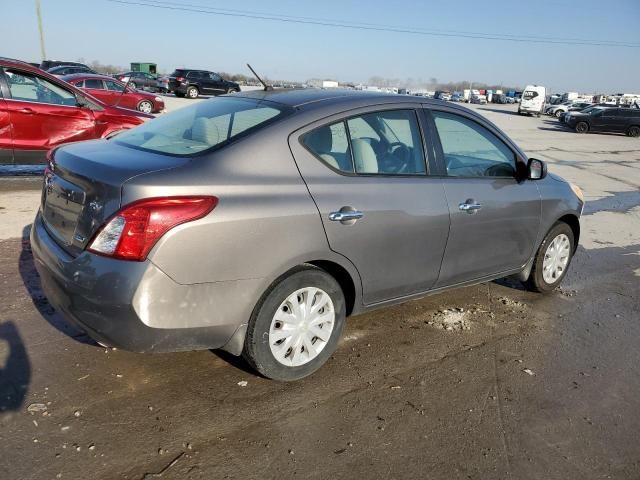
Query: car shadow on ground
column 497, row 110
column 31, row 281
column 15, row 369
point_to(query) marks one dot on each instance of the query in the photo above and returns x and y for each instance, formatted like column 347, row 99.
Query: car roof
column 310, row 97
column 85, row 76
column 12, row 62
column 68, row 66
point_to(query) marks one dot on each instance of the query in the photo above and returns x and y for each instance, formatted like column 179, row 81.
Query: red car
column 39, row 111
column 109, row 90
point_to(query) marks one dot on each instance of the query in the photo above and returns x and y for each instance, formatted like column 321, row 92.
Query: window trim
column 10, row 96
column 439, row 151
column 345, row 119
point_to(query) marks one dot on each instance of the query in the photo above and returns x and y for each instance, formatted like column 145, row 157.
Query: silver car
column 257, row 222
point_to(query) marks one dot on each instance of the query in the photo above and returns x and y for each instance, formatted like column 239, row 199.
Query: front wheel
column 552, row 259
column 132, row 85
column 634, row 131
column 582, row 127
column 296, row 325
column 145, row 106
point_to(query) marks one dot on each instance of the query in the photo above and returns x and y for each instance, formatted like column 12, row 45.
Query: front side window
column 470, row 150
column 201, row 127
column 32, row 88
column 113, row 86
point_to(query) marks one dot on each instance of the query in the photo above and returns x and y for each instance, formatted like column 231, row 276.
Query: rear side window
column 204, row 126
column 93, row 83
column 470, row 150
column 382, row 143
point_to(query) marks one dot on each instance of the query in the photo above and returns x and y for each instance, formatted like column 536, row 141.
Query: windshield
column 203, row 126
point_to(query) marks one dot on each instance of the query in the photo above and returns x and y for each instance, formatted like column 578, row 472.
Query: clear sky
column 118, row 34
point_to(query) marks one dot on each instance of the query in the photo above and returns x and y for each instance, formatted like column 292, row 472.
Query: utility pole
column 43, row 54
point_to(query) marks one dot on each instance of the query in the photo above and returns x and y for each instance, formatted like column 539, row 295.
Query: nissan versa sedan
column 257, row 222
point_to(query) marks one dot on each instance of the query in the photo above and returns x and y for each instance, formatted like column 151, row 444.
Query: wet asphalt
column 523, row 386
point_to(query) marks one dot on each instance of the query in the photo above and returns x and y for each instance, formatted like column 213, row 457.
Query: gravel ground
column 485, row 382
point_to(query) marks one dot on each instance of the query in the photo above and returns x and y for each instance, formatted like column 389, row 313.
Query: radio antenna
column 266, row 87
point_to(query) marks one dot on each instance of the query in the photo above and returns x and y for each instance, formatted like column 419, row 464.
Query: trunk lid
column 85, row 187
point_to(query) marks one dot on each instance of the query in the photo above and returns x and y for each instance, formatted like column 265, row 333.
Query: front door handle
column 345, row 216
column 26, row 110
column 469, row 206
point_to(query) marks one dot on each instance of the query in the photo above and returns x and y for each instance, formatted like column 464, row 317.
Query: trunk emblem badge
column 94, row 205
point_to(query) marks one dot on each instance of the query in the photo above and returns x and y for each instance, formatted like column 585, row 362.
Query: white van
column 533, row 99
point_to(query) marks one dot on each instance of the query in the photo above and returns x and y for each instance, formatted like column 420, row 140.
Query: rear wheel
column 552, row 259
column 145, row 106
column 582, row 127
column 634, row 131
column 192, row 92
column 558, row 113
column 296, row 326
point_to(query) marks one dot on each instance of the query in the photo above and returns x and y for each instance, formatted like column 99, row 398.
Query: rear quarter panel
column 264, row 224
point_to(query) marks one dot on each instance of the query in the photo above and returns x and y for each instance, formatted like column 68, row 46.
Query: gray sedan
column 257, row 222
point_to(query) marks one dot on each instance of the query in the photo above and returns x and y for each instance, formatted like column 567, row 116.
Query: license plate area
column 63, row 204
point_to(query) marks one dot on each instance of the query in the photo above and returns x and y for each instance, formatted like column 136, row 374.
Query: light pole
column 43, row 54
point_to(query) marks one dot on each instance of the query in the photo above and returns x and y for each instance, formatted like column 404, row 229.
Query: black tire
column 257, row 350
column 233, row 90
column 132, row 85
column 192, row 92
column 582, row 127
column 634, row 131
column 558, row 113
column 536, row 281
column 179, row 94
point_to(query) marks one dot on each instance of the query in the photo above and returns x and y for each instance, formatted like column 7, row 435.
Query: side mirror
column 537, row 169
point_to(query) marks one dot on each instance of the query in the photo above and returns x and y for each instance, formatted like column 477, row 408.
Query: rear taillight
column 132, row 232
column 179, row 79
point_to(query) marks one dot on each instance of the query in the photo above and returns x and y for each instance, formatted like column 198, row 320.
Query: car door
column 6, row 137
column 117, row 95
column 207, row 84
column 95, row 88
column 366, row 173
column 495, row 215
column 43, row 114
column 217, row 84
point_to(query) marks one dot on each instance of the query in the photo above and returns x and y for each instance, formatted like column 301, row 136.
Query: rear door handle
column 26, row 110
column 345, row 215
column 469, row 206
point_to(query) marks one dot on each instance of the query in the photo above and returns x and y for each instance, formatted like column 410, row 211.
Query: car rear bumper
column 134, row 305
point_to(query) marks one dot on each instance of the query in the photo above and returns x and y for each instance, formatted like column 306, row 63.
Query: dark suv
column 191, row 83
column 605, row 119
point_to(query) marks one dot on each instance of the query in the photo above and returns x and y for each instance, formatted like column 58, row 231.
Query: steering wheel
column 500, row 170
column 398, row 157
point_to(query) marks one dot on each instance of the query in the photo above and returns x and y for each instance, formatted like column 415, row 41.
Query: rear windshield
column 204, row 126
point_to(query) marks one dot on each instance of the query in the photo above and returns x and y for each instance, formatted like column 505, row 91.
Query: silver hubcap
column 146, row 107
column 193, row 93
column 301, row 327
column 556, row 259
